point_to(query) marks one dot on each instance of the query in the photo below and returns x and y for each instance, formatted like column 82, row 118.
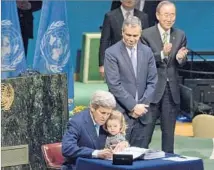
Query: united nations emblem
column 55, row 47
column 7, row 96
column 12, row 51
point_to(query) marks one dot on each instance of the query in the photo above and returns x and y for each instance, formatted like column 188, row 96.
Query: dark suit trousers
column 136, row 133
column 167, row 111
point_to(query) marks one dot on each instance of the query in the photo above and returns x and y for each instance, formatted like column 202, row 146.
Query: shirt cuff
column 162, row 56
column 179, row 60
column 95, row 154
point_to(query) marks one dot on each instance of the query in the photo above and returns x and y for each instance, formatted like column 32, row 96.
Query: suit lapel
column 102, row 138
column 127, row 58
column 172, row 40
column 119, row 18
column 139, row 59
column 89, row 125
column 158, row 38
column 137, row 15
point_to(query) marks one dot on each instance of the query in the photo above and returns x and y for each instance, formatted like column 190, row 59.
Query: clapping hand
column 182, row 53
column 167, row 49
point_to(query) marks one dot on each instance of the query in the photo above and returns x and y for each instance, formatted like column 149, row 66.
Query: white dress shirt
column 124, row 11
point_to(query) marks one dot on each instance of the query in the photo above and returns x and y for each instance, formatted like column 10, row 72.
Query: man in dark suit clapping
column 169, row 47
column 112, row 25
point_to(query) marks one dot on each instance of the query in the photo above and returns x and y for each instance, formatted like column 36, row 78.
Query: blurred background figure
column 147, row 6
column 25, row 13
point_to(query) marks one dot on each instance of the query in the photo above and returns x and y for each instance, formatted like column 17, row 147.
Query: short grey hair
column 162, row 3
column 133, row 21
column 103, row 99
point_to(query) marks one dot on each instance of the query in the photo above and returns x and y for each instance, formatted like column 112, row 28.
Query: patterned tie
column 128, row 13
column 134, row 65
column 134, row 61
column 165, row 40
column 165, row 36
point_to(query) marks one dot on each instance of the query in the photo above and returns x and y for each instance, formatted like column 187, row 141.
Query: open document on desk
column 142, row 153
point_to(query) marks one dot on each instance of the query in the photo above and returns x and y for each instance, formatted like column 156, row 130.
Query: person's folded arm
column 114, row 83
column 70, row 149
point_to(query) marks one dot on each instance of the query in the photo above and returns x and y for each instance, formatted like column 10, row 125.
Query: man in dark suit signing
column 112, row 25
column 85, row 136
column 169, row 47
column 131, row 76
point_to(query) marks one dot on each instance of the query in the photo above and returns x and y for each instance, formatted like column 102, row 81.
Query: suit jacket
column 121, row 80
column 149, row 8
column 81, row 139
column 152, row 38
column 26, row 18
column 111, row 30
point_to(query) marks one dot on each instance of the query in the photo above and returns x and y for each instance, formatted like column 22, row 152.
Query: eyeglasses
column 166, row 15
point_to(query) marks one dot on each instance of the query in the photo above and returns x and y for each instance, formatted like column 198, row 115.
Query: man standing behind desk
column 131, row 75
column 112, row 25
column 169, row 47
column 85, row 136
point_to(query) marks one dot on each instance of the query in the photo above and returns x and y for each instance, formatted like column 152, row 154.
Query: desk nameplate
column 14, row 155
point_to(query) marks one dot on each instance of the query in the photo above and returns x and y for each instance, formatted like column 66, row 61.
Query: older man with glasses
column 169, row 47
column 85, row 136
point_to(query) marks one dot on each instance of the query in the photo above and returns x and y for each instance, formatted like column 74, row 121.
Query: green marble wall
column 38, row 115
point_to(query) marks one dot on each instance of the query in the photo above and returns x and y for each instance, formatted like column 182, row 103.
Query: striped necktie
column 128, row 13
column 165, row 37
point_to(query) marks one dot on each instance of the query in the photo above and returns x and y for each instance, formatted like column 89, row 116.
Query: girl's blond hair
column 118, row 116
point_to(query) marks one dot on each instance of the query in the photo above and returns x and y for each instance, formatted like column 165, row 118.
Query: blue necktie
column 134, row 61
column 97, row 127
column 134, row 64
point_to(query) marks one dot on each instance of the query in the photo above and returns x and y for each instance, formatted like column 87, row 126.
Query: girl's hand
column 121, row 146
